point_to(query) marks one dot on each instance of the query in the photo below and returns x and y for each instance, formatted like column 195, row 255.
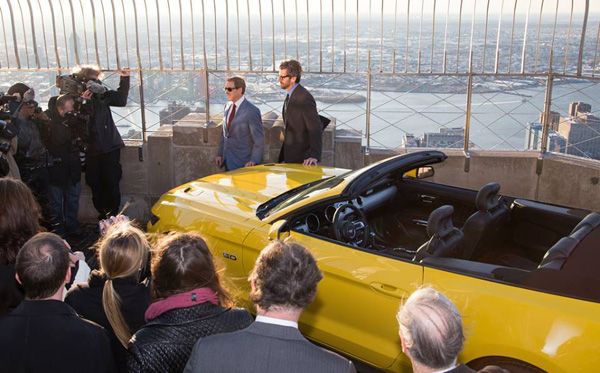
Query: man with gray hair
column 431, row 332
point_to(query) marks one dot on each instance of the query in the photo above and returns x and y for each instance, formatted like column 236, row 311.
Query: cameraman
column 65, row 177
column 8, row 148
column 32, row 157
column 103, row 167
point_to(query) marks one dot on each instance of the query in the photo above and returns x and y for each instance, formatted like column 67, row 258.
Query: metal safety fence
column 466, row 74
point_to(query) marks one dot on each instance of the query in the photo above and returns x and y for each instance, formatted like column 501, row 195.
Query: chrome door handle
column 425, row 198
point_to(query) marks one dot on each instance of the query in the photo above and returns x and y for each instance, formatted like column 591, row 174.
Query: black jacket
column 86, row 299
column 303, row 129
column 165, row 343
column 68, row 171
column 48, row 336
column 11, row 292
column 104, row 135
column 31, row 150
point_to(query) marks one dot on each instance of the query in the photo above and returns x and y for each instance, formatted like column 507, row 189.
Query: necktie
column 285, row 104
column 231, row 117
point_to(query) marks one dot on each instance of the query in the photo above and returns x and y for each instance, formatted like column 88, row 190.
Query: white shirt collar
column 274, row 321
column 239, row 102
column 447, row 369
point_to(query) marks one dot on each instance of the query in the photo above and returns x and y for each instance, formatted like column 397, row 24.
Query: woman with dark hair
column 19, row 221
column 113, row 296
column 190, row 301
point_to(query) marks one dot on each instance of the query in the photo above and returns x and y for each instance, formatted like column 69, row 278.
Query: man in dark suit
column 284, row 282
column 43, row 334
column 242, row 139
column 303, row 139
column 431, row 332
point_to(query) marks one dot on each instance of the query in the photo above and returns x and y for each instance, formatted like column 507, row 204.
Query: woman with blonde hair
column 116, row 296
column 189, row 301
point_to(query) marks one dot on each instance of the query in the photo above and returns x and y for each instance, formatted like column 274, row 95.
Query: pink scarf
column 182, row 300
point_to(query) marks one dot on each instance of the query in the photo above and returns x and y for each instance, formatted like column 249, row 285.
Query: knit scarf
column 182, row 300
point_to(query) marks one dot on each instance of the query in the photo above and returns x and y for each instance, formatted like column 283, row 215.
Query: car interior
column 478, row 233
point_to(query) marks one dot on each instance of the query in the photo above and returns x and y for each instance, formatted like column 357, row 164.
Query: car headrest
column 440, row 221
column 487, row 198
column 592, row 221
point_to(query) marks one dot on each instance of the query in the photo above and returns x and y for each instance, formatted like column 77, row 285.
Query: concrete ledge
column 167, row 162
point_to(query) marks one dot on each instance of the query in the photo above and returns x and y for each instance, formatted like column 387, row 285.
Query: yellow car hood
column 238, row 193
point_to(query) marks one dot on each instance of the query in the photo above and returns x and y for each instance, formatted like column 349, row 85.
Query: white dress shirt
column 274, row 321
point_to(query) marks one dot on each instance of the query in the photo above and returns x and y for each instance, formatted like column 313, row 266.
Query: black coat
column 86, row 299
column 11, row 292
column 303, row 128
column 31, row 150
column 165, row 343
column 68, row 171
column 104, row 135
column 48, row 336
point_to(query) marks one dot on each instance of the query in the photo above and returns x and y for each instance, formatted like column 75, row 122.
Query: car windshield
column 298, row 194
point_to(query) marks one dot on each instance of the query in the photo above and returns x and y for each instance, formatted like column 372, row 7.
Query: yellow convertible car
column 525, row 275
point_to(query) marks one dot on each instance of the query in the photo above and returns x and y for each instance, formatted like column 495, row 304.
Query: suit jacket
column 48, row 336
column 303, row 129
column 264, row 348
column 245, row 140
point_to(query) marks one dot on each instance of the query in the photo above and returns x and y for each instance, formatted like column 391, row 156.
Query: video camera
column 78, row 124
column 7, row 131
column 75, row 85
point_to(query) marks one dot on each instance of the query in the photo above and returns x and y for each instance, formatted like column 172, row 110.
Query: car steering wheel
column 350, row 227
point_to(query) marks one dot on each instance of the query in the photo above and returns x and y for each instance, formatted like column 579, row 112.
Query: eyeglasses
column 229, row 89
column 281, row 77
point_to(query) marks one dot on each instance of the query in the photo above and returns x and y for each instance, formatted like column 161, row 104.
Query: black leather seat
column 445, row 238
column 480, row 227
column 558, row 254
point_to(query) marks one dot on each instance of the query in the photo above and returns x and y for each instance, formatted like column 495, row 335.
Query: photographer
column 103, row 168
column 68, row 131
column 32, row 157
column 8, row 148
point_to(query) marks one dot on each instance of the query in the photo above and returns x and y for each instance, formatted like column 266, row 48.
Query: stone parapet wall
column 186, row 151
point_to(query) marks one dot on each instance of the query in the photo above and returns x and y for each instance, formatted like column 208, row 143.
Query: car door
column 552, row 332
column 357, row 300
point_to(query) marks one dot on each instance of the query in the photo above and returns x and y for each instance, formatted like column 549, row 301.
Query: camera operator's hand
column 124, row 71
column 42, row 115
column 87, row 94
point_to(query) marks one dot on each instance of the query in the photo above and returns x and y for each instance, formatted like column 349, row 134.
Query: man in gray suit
column 242, row 138
column 284, row 282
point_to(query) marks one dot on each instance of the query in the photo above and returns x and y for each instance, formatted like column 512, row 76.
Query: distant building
column 446, row 138
column 577, row 108
column 556, row 142
column 581, row 130
column 173, row 113
column 409, row 141
column 554, row 120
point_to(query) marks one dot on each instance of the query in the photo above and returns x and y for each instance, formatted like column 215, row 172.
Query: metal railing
column 362, row 44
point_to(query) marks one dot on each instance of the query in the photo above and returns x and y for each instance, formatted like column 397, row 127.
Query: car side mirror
column 279, row 229
column 420, row 173
column 425, row 172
